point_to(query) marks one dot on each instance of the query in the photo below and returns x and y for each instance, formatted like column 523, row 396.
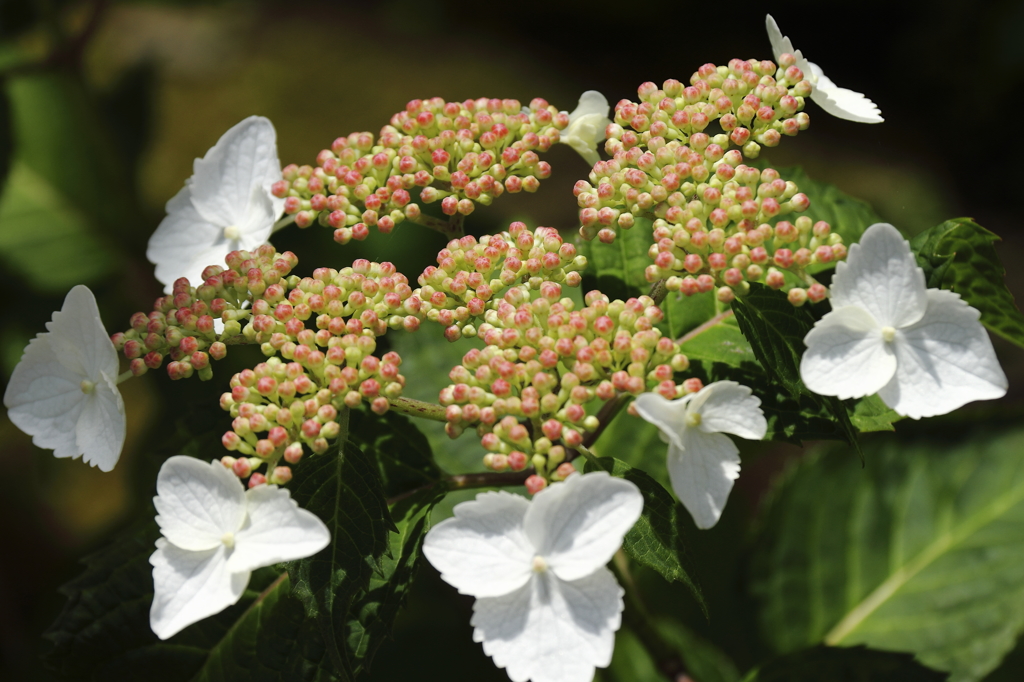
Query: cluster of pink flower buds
column 457, row 153
column 471, row 276
column 545, row 362
column 280, row 407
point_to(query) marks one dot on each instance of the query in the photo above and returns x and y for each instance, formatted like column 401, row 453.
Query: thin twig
column 418, row 408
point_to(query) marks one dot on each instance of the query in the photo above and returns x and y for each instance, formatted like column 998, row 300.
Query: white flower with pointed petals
column 702, row 461
column 64, row 392
column 546, row 606
column 923, row 351
column 587, row 124
column 840, row 102
column 226, row 205
column 215, row 533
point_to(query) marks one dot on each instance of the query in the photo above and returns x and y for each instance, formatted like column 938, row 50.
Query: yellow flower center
column 539, row 565
column 693, row 419
column 228, row 539
column 232, row 233
column 888, row 334
column 87, row 386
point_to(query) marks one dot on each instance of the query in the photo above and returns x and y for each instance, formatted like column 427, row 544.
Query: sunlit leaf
column 617, row 269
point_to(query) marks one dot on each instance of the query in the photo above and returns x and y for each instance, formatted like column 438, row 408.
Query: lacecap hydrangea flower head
column 923, row 351
column 64, row 392
column 546, row 607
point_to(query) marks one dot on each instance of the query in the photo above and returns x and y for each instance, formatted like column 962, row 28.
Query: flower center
column 87, row 386
column 693, row 419
column 539, row 565
column 232, row 233
column 888, row 334
column 228, row 539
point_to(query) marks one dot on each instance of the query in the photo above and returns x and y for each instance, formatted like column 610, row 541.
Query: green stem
column 124, row 376
column 658, row 292
column 697, row 331
column 283, row 223
column 418, row 408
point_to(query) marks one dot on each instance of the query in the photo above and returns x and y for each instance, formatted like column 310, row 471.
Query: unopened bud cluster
column 472, row 276
column 457, row 153
column 181, row 325
column 531, row 390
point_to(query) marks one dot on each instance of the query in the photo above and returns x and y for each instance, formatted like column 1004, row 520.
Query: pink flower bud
column 257, row 479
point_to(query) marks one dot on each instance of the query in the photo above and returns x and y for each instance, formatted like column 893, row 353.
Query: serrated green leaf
column 921, row 550
column 871, row 414
column 403, row 453
column 959, row 255
column 342, row 487
column 655, row 541
column 853, row 664
column 617, row 269
column 373, row 612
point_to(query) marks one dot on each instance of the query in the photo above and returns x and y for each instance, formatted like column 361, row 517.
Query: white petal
column 259, row 219
column 944, row 361
column 483, row 550
column 728, row 407
column 846, row 355
column 577, row 525
column 198, row 502
column 276, row 530
column 780, row 43
column 78, row 338
column 587, row 124
column 245, row 156
column 101, row 426
column 189, row 586
column 668, row 415
column 550, row 630
column 44, row 399
column 818, row 76
column 845, row 104
column 702, row 474
column 181, row 235
column 881, row 276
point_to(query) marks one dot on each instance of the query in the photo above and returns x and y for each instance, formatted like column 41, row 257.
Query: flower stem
column 283, row 223
column 658, row 292
column 418, row 408
column 124, row 376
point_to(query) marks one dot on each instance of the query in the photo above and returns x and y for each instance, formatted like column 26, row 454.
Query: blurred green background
column 104, row 105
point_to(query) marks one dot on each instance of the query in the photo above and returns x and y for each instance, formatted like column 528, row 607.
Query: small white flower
column 922, row 350
column 214, row 535
column 702, row 461
column 64, row 393
column 587, row 124
column 226, row 205
column 840, row 102
column 546, row 606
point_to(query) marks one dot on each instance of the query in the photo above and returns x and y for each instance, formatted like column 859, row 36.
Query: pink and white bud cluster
column 182, row 324
column 546, row 362
column 471, row 275
column 281, row 408
column 458, row 153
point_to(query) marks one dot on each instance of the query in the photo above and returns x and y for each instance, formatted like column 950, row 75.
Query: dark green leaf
column 704, row 661
column 921, row 550
column 6, row 137
column 342, row 487
column 960, row 255
column 402, row 451
column 853, row 664
column 655, row 540
column 617, row 269
column 373, row 612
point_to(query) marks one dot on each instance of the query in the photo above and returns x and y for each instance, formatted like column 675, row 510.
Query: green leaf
column 960, row 255
column 6, row 136
column 373, row 611
column 853, row 664
column 722, row 342
column 684, row 313
column 655, row 541
column 342, row 487
column 704, row 661
column 617, row 269
column 921, row 550
column 402, row 451
column 871, row 414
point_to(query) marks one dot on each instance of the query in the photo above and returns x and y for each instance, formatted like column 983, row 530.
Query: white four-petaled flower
column 587, row 123
column 702, row 461
column 840, row 102
column 922, row 350
column 547, row 607
column 215, row 533
column 226, row 205
column 64, row 392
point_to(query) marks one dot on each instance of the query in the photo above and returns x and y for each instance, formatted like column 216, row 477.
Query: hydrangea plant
column 748, row 316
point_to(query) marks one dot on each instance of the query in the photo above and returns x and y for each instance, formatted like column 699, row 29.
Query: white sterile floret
column 840, row 102
column 64, row 393
column 587, row 124
column 922, row 350
column 546, row 606
column 702, row 461
column 215, row 533
column 226, row 205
